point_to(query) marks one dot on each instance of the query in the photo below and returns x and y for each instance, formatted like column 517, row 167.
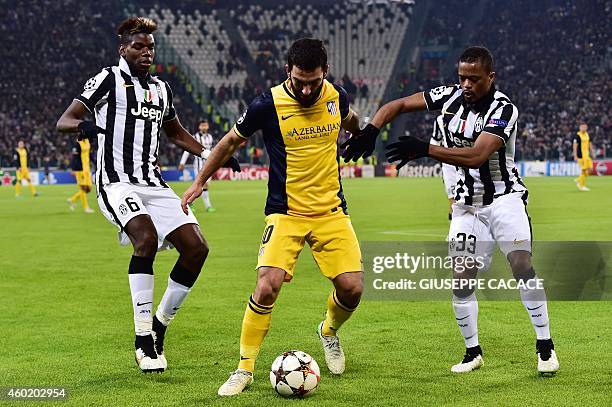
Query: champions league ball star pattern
column 295, row 374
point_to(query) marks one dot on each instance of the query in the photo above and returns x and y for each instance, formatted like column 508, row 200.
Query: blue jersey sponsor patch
column 498, row 122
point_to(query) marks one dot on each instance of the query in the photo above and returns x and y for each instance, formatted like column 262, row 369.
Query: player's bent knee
column 200, row 252
column 524, row 274
column 349, row 288
column 350, row 295
column 520, row 263
column 146, row 245
column 265, row 294
column 269, row 282
column 463, row 292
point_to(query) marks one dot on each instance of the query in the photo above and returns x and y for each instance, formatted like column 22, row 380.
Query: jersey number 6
column 131, row 204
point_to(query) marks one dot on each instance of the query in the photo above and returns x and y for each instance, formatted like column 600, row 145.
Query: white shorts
column 121, row 201
column 475, row 230
column 449, row 176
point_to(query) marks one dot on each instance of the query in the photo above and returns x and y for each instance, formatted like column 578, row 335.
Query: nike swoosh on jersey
column 297, row 114
column 127, row 85
column 519, row 241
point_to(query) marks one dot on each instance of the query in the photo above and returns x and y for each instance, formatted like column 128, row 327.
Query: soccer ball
column 295, row 374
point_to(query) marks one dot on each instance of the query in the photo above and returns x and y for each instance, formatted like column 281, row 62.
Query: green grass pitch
column 66, row 318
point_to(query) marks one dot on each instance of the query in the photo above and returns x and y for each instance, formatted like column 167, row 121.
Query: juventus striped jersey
column 207, row 142
column 132, row 110
column 438, row 136
column 464, row 122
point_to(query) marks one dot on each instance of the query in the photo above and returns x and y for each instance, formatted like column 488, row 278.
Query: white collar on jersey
column 123, row 65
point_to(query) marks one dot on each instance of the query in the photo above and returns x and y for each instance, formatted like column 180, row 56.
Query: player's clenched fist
column 361, row 145
column 89, row 130
column 407, row 149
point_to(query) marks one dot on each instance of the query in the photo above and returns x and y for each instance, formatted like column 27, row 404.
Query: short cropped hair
column 307, row 54
column 478, row 54
column 135, row 25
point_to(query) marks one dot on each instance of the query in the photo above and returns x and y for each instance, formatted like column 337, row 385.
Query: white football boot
column 146, row 358
column 334, row 355
column 70, row 204
column 547, row 358
column 159, row 333
column 472, row 360
column 237, row 382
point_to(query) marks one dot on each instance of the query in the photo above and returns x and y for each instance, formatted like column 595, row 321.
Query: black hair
column 478, row 54
column 203, row 121
column 135, row 25
column 307, row 54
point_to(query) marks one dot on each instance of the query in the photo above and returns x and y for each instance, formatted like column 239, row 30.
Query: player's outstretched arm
column 73, row 121
column 471, row 157
column 179, row 136
column 72, row 117
column 351, row 122
column 389, row 111
column 412, row 148
column 220, row 155
column 363, row 143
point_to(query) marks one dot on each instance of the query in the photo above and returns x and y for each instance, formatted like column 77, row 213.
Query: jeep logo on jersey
column 478, row 125
column 461, row 142
column 331, row 107
column 147, row 112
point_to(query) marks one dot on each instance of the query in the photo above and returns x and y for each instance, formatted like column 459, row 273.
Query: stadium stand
column 58, row 60
column 556, row 76
column 44, row 69
column 204, row 44
column 363, row 41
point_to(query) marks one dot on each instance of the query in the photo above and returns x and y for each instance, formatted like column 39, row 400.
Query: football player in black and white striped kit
column 206, row 139
column 491, row 198
column 131, row 107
